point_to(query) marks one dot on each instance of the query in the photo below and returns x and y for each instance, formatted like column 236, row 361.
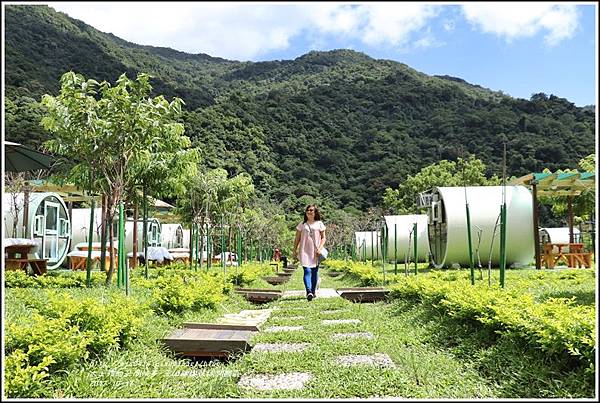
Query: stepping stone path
column 292, row 380
column 280, row 347
column 339, row 321
column 341, row 336
column 251, row 317
column 378, row 359
column 321, row 293
column 283, row 328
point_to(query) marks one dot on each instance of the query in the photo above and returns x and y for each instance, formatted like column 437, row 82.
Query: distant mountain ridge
column 339, row 125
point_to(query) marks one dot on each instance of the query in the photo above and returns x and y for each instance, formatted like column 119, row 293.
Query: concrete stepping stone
column 341, row 336
column 283, row 328
column 291, row 380
column 321, row 293
column 280, row 347
column 339, row 321
column 378, row 359
column 254, row 317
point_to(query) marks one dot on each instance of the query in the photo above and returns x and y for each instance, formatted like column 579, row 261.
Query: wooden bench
column 571, row 254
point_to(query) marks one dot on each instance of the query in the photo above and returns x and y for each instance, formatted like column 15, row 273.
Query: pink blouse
column 306, row 249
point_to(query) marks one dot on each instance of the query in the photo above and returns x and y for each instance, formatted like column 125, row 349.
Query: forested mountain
column 336, row 124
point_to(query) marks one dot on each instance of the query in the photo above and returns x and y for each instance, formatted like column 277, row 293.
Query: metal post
column 471, row 265
column 145, row 235
column 395, row 249
column 536, row 229
column 415, row 245
column 502, row 244
column 120, row 268
column 192, row 245
column 88, row 265
column 372, row 252
column 570, row 211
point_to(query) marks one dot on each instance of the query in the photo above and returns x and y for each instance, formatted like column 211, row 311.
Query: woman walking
column 309, row 242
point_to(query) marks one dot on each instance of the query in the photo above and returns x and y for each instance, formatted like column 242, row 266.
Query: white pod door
column 401, row 238
column 171, row 236
column 154, row 230
column 448, row 239
column 48, row 224
column 367, row 244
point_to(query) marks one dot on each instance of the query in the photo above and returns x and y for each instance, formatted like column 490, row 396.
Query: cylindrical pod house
column 368, row 243
column 448, row 239
column 171, row 236
column 400, row 239
column 81, row 222
column 48, row 224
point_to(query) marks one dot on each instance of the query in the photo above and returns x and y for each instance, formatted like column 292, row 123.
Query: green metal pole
column 395, row 249
column 88, row 265
column 372, row 252
column 471, row 264
column 120, row 268
column 197, row 248
column 192, row 245
column 222, row 245
column 502, row 243
column 145, row 235
column 383, row 250
column 208, row 247
column 415, row 245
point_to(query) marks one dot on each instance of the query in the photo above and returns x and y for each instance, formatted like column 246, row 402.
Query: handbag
column 324, row 251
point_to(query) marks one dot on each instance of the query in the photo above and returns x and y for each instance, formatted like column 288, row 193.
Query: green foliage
column 175, row 290
column 20, row 279
column 61, row 333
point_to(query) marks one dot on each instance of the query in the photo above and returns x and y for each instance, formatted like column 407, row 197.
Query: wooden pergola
column 569, row 184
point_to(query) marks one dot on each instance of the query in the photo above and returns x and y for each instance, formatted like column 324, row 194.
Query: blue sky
column 518, row 48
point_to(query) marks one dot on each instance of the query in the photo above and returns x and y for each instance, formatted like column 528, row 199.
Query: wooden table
column 570, row 253
column 12, row 262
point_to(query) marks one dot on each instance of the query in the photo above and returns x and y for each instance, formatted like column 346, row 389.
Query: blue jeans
column 310, row 279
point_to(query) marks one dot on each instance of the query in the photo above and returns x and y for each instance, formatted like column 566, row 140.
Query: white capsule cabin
column 171, row 236
column 367, row 244
column 401, row 237
column 48, row 224
column 447, row 229
column 81, row 223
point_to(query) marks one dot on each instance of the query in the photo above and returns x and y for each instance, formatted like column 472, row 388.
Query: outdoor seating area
column 17, row 253
column 570, row 254
column 79, row 255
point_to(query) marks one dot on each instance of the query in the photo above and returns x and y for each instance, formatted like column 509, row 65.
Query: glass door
column 51, row 231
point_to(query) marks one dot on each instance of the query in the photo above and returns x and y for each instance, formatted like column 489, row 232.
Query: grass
column 435, row 356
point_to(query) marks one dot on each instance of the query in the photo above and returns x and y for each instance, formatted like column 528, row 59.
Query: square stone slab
column 339, row 321
column 341, row 336
column 280, row 347
column 291, row 380
column 378, row 359
column 283, row 328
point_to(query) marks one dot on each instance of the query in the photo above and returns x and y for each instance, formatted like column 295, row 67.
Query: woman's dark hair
column 317, row 214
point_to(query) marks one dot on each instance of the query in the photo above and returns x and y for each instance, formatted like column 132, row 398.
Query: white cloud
column 515, row 20
column 245, row 31
column 393, row 23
